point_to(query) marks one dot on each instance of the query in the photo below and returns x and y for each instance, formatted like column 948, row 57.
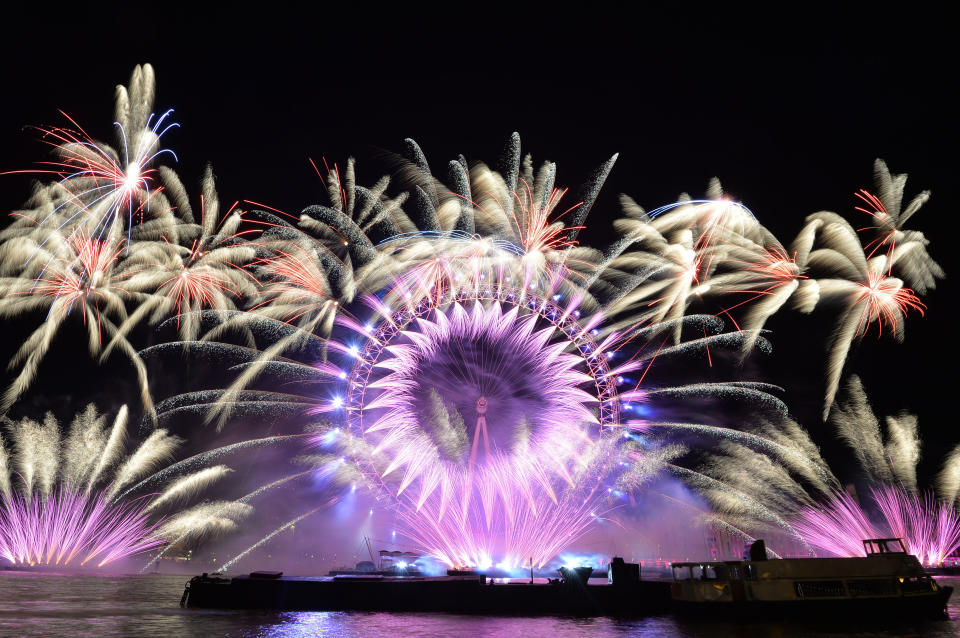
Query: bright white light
column 337, row 402
column 343, row 374
column 402, row 565
column 353, row 350
column 132, row 177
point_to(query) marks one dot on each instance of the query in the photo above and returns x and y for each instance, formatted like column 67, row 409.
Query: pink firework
column 71, row 527
column 82, row 278
column 525, row 524
column 483, row 416
column 767, row 275
column 189, row 288
column 838, row 528
column 76, row 498
column 470, row 361
column 296, row 282
column 886, row 228
column 533, row 223
column 102, row 185
column 884, row 300
column 929, row 528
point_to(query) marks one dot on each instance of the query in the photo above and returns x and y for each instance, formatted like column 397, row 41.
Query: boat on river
column 886, row 581
column 461, row 591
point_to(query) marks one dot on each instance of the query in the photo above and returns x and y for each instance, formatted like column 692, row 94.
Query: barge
column 466, row 593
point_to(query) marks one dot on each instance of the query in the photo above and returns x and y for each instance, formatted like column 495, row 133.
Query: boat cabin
column 873, row 546
column 886, row 571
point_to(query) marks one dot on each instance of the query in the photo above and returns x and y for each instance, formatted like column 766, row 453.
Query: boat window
column 715, row 572
column 681, row 572
column 819, row 588
column 697, row 572
column 872, row 587
column 884, row 546
column 751, row 572
column 734, row 572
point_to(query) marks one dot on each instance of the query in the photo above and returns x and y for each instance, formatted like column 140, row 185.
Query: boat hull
column 926, row 606
column 451, row 594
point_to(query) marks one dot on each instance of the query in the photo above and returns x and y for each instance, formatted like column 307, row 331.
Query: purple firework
column 482, row 416
column 72, row 527
column 79, row 500
column 929, row 528
column 469, row 362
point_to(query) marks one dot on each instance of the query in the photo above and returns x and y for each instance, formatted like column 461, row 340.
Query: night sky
column 789, row 111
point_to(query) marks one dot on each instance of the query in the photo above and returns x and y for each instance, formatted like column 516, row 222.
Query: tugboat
column 886, row 581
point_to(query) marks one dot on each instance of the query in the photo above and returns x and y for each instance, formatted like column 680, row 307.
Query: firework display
column 450, row 350
column 802, row 498
column 81, row 500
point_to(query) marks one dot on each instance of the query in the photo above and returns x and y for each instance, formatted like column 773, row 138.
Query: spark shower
column 447, row 347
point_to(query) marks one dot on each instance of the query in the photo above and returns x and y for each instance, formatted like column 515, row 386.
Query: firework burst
column 451, row 349
column 65, row 500
column 782, row 469
column 62, row 255
column 100, row 188
column 464, row 358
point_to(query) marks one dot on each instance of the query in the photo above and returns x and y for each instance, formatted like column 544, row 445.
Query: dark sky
column 789, row 110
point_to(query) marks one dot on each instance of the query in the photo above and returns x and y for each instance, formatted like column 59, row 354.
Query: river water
column 46, row 604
